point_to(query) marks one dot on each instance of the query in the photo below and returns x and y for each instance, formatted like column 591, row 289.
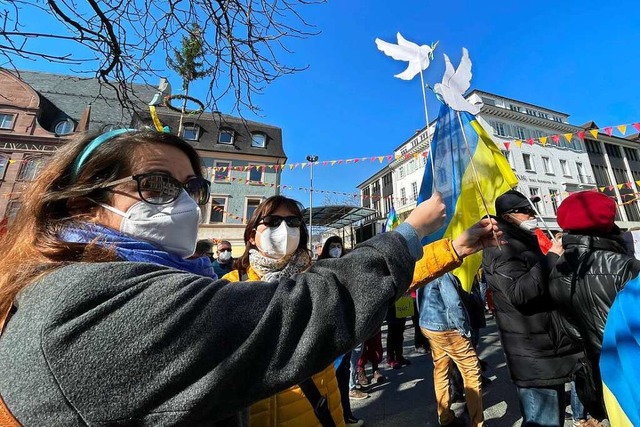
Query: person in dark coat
column 539, row 357
column 594, row 267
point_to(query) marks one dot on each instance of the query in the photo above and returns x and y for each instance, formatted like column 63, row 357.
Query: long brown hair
column 325, row 248
column 265, row 208
column 32, row 246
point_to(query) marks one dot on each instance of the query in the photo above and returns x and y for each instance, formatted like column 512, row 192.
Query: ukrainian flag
column 392, row 220
column 455, row 179
column 620, row 358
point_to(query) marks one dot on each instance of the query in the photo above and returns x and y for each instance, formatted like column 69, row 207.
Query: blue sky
column 578, row 57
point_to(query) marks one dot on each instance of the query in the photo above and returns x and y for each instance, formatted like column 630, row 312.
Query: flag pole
column 542, row 220
column 475, row 174
column 426, row 116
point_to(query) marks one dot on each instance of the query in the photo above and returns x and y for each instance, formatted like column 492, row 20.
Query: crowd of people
column 117, row 315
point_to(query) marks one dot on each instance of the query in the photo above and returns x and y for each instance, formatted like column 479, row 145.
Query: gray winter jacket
column 126, row 343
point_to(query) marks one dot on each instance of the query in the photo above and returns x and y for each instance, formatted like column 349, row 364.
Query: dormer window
column 6, row 121
column 258, row 140
column 191, row 132
column 64, row 127
column 225, row 136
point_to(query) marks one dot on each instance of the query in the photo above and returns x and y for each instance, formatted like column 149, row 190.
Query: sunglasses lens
column 198, row 189
column 158, row 189
column 272, row 220
column 294, row 221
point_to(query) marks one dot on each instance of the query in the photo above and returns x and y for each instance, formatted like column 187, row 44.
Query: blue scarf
column 130, row 249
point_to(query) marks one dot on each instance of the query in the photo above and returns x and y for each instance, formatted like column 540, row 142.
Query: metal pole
column 311, row 210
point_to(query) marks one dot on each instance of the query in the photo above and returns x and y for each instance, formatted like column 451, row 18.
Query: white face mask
column 278, row 242
column 335, row 252
column 172, row 227
column 528, row 225
column 224, row 256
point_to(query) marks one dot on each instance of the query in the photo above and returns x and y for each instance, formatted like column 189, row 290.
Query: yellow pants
column 447, row 347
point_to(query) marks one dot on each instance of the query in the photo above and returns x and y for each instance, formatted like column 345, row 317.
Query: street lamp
column 311, row 159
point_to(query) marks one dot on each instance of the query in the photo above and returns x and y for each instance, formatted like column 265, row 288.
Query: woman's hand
column 477, row 237
column 428, row 216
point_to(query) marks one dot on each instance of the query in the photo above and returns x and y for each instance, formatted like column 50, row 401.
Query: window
column 414, row 190
column 258, row 140
column 108, row 127
column 4, row 164
column 533, row 191
column 500, row 129
column 488, row 101
column 530, row 112
column 403, row 196
column 548, row 167
column 252, row 205
column 31, row 167
column 582, row 175
column 527, row 162
column 514, row 108
column 403, row 151
column 557, row 119
column 411, row 166
column 613, row 150
column 542, row 115
column 520, row 132
column 222, row 171
column 255, row 174
column 64, row 127
column 565, row 168
column 401, row 171
column 593, row 147
column 6, row 121
column 225, row 136
column 218, row 208
column 553, row 194
column 507, row 155
column 631, row 153
column 12, row 209
column 191, row 132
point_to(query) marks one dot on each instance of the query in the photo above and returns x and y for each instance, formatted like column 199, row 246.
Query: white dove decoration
column 417, row 56
column 455, row 84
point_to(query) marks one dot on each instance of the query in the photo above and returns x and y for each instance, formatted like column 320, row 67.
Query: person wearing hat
column 594, row 267
column 224, row 263
column 539, row 358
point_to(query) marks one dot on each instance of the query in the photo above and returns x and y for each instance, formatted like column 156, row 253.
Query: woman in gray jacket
column 110, row 323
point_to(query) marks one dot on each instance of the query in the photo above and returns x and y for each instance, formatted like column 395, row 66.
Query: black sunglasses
column 526, row 210
column 276, row 220
column 159, row 188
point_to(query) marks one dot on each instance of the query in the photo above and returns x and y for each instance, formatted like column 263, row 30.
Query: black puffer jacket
column 586, row 280
column 538, row 354
column 583, row 285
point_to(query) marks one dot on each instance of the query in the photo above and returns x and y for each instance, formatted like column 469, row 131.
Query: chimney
column 85, row 119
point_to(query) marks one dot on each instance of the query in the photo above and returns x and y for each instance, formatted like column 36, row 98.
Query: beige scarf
column 270, row 269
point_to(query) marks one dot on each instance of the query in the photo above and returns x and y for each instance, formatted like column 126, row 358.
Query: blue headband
column 91, row 147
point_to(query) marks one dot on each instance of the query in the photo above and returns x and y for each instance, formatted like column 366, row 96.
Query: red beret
column 587, row 210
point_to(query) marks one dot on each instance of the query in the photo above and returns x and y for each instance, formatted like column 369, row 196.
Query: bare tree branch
column 122, row 41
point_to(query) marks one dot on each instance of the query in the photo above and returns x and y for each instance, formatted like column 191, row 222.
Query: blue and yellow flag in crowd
column 455, row 179
column 620, row 358
column 392, row 220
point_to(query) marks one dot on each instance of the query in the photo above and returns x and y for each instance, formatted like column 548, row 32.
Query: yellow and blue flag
column 620, row 357
column 392, row 220
column 455, row 179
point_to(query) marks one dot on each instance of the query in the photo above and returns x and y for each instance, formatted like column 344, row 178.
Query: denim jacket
column 440, row 306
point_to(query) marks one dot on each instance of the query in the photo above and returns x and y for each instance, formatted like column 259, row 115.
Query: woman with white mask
column 102, row 312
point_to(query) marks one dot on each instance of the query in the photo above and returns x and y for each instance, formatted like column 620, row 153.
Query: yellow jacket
column 437, row 259
column 290, row 408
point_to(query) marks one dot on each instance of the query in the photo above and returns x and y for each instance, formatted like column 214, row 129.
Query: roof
column 380, row 173
column 337, row 216
column 69, row 97
column 482, row 92
column 212, row 123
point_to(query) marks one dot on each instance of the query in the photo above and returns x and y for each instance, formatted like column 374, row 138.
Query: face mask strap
column 109, row 208
column 91, row 147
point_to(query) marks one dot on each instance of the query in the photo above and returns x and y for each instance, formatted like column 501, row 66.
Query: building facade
column 375, row 193
column 39, row 112
column 546, row 166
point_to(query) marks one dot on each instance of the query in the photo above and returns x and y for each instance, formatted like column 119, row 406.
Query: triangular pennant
column 425, row 153
column 568, row 137
column 364, row 159
column 271, row 166
column 628, row 184
column 620, row 186
column 530, row 141
column 416, row 155
column 594, row 133
column 264, row 168
column 302, row 165
column 373, row 159
column 518, row 143
column 581, row 135
column 601, row 188
column 543, row 140
column 506, row 145
column 325, row 163
column 556, row 139
column 397, row 156
column 407, row 156
column 622, row 129
column 348, row 161
column 381, row 159
column 610, row 187
column 608, row 130
column 333, row 162
column 356, row 160
column 389, row 158
column 339, row 161
column 291, row 166
column 636, row 126
column 638, row 183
